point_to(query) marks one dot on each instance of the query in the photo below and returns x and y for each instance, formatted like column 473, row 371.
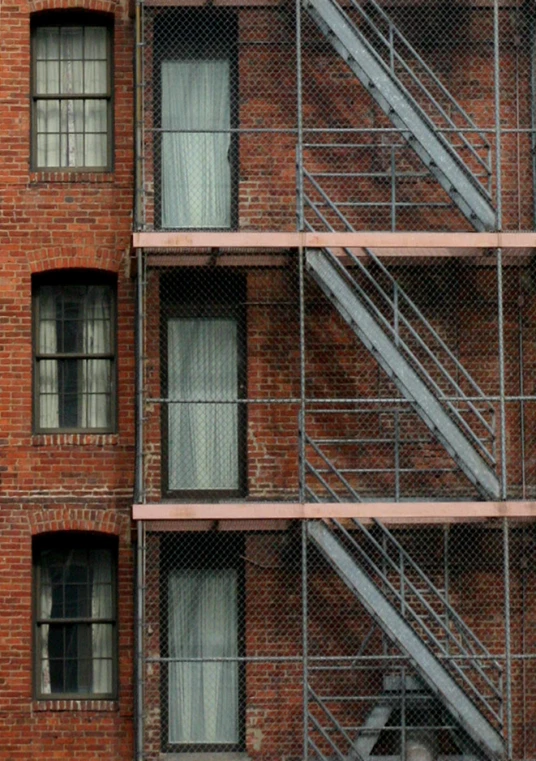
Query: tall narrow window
column 203, row 420
column 202, row 639
column 74, row 357
column 203, row 625
column 197, row 85
column 75, row 617
column 71, row 95
column 196, row 168
column 204, row 381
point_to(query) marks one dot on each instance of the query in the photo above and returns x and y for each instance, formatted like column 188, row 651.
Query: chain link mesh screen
column 337, row 115
column 256, row 642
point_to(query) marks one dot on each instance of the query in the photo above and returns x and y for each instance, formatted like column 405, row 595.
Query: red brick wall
column 338, row 627
column 52, row 221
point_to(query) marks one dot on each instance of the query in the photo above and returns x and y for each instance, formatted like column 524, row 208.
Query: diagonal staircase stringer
column 399, row 369
column 430, row 669
column 441, row 159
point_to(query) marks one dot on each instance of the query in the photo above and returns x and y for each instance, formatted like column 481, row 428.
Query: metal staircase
column 416, row 616
column 415, row 357
column 414, row 100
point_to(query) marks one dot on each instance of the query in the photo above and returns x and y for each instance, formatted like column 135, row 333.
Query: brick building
column 269, row 350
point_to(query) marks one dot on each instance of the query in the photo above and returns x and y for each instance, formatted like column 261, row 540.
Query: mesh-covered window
column 203, row 343
column 75, row 618
column 203, row 695
column 196, row 79
column 202, row 639
column 203, row 435
column 71, row 96
column 74, row 357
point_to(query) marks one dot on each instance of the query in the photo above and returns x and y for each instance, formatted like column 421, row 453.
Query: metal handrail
column 466, row 641
column 437, row 82
column 420, row 319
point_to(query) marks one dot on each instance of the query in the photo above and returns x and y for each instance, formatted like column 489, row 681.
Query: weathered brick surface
column 57, row 220
column 51, row 221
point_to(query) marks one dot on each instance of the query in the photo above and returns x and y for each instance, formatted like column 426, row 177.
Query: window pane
column 76, row 657
column 196, row 172
column 203, row 438
column 95, row 44
column 47, row 78
column 47, row 43
column 95, row 77
column 203, row 697
column 71, row 78
column 72, row 43
column 96, row 150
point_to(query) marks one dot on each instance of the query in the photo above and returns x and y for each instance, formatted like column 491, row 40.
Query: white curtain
column 196, row 175
column 98, row 648
column 202, row 438
column 71, row 60
column 203, row 623
column 46, row 612
column 94, row 398
column 48, row 368
column 101, row 634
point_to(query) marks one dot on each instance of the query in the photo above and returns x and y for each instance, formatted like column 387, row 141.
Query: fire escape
column 374, row 566
column 453, row 668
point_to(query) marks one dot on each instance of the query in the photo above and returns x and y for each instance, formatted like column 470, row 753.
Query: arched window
column 75, row 615
column 71, row 92
column 74, row 357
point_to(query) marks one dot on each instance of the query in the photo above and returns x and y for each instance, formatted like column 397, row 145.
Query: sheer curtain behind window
column 101, row 634
column 203, row 623
column 48, row 368
column 60, row 598
column 95, row 397
column 203, row 438
column 71, row 60
column 196, row 174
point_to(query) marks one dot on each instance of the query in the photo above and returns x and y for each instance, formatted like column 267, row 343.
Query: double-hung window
column 74, row 365
column 71, row 95
column 75, row 617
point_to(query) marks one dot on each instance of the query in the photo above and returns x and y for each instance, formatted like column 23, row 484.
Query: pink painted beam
column 279, row 240
column 399, row 512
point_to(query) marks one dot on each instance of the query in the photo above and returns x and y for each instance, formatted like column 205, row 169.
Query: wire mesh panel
column 378, row 379
column 402, row 116
column 414, row 360
column 258, row 641
column 219, row 118
column 223, row 379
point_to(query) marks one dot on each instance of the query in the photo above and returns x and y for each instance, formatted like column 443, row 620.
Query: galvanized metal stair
column 461, row 428
column 409, row 108
column 446, row 654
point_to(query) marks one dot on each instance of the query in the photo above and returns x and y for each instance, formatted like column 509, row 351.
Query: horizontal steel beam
column 389, row 512
column 362, row 239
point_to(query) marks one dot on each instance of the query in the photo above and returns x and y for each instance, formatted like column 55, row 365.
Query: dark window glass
column 74, row 358
column 75, row 620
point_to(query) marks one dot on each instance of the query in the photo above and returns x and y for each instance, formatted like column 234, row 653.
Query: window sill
column 76, row 705
column 75, row 439
column 205, row 756
column 46, row 176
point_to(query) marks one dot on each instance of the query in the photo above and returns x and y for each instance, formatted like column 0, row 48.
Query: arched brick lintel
column 97, row 520
column 44, row 260
column 99, row 6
